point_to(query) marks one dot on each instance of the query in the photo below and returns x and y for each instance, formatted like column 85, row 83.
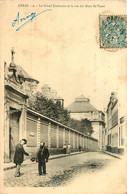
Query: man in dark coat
column 42, row 158
column 19, row 156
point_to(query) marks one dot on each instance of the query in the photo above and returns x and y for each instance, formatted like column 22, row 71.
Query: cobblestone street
column 60, row 172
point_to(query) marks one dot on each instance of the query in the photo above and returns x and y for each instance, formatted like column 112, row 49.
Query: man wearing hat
column 19, row 156
column 42, row 158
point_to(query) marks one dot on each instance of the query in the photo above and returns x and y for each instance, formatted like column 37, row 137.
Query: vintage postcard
column 63, row 77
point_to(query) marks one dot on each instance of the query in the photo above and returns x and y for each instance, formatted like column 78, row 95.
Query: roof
column 81, row 105
column 26, row 75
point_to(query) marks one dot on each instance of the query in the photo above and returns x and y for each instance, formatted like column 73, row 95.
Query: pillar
column 73, row 139
column 69, row 136
column 77, row 141
column 57, row 137
column 63, row 136
column 83, row 141
column 86, row 143
column 49, row 135
column 23, row 123
column 6, row 133
column 38, row 132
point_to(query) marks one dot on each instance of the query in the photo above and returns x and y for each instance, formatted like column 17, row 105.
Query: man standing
column 42, row 158
column 64, row 149
column 19, row 156
column 79, row 148
column 68, row 148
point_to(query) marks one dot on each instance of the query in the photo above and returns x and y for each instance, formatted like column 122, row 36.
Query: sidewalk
column 114, row 155
column 11, row 165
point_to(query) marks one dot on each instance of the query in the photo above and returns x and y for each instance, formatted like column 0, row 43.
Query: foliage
column 55, row 111
column 49, row 108
column 84, row 126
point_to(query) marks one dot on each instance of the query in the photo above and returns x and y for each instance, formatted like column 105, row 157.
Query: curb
column 118, row 157
column 56, row 157
column 66, row 155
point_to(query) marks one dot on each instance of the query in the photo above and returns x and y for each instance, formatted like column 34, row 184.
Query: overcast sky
column 61, row 48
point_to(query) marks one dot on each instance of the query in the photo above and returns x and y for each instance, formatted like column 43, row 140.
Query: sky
column 61, row 48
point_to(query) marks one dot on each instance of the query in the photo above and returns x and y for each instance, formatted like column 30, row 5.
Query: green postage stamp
column 113, row 31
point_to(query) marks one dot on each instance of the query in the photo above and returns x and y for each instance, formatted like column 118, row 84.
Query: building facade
column 51, row 94
column 82, row 109
column 116, row 124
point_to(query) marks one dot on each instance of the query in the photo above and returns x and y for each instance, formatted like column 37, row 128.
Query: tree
column 56, row 112
column 86, row 127
column 48, row 108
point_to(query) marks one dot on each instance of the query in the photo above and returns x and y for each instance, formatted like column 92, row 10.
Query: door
column 13, row 132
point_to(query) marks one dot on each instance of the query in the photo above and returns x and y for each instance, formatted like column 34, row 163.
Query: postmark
column 113, row 31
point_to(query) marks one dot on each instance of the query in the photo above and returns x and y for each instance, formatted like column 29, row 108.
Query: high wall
column 55, row 135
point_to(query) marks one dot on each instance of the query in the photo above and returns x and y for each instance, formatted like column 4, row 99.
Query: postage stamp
column 113, row 31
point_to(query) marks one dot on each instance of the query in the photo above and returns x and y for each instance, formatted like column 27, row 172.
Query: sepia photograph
column 63, row 77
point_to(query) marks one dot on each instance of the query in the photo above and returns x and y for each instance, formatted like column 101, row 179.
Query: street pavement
column 11, row 165
column 63, row 172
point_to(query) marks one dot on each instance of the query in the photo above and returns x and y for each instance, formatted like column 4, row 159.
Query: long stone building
column 22, row 122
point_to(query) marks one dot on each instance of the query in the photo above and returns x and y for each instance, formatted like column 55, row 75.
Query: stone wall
column 40, row 128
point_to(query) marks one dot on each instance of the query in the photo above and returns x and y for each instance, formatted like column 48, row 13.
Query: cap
column 25, row 141
column 42, row 143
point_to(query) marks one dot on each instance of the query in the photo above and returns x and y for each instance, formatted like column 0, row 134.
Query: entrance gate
column 13, row 132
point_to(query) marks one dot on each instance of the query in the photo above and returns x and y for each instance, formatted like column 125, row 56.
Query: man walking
column 42, row 158
column 19, row 156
